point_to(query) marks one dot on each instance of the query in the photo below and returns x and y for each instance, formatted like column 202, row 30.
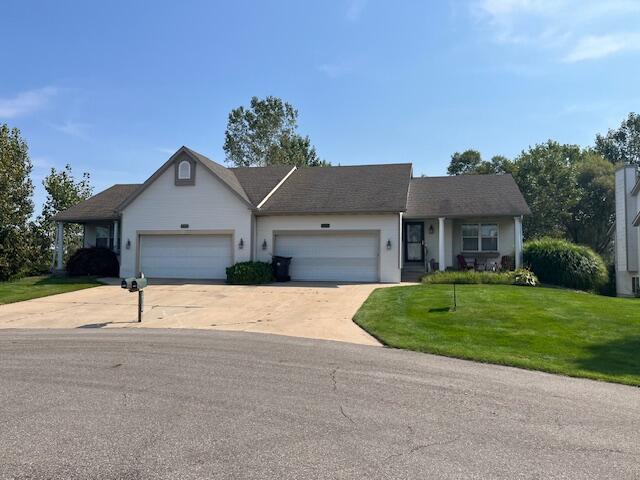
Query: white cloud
column 335, row 70
column 355, row 9
column 592, row 47
column 74, row 129
column 42, row 163
column 501, row 8
column 25, row 102
column 574, row 30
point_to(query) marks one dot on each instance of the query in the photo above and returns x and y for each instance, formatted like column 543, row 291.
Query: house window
column 480, row 237
column 635, row 285
column 470, row 238
column 489, row 237
column 103, row 236
column 184, row 170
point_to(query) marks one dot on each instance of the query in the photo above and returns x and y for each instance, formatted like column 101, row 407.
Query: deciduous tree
column 63, row 191
column 16, row 206
column 470, row 162
column 570, row 190
column 265, row 134
column 621, row 145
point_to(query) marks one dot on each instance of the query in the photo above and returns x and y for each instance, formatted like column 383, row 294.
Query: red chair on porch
column 506, row 263
column 462, row 263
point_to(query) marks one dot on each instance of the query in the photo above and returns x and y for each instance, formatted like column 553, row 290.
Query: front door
column 414, row 241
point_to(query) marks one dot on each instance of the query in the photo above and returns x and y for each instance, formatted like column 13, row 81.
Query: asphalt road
column 181, row 404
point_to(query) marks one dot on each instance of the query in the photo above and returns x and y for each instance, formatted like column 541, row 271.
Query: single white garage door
column 185, row 256
column 348, row 257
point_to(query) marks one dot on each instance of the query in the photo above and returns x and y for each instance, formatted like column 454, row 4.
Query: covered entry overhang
column 100, row 218
column 463, row 221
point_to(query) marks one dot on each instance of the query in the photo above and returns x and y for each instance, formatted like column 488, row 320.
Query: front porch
column 96, row 233
column 436, row 243
column 101, row 219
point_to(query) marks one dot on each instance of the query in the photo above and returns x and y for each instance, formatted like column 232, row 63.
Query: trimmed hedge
column 559, row 262
column 94, row 261
column 250, row 273
column 519, row 277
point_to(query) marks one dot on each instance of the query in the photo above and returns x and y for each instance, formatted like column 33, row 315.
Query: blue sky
column 113, row 87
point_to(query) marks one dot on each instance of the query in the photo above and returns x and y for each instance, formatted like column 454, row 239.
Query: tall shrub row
column 559, row 262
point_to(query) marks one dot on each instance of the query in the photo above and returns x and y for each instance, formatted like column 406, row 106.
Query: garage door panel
column 185, row 256
column 331, row 256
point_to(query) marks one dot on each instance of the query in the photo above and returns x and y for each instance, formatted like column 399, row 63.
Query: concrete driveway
column 322, row 311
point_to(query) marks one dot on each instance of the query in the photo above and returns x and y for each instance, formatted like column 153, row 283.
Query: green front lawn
column 35, row 287
column 549, row 329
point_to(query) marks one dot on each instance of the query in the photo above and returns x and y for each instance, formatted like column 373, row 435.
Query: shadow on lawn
column 65, row 280
column 618, row 357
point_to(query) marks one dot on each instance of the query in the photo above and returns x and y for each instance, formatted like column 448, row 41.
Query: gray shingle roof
column 464, row 196
column 361, row 189
column 102, row 206
column 257, row 182
column 350, row 189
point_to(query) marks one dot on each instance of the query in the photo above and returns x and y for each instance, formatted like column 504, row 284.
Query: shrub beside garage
column 562, row 263
column 250, row 273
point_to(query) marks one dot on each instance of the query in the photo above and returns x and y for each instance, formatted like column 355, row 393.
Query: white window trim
column 479, row 225
column 180, row 176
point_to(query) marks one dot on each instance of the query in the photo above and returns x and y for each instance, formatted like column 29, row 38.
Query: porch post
column 115, row 235
column 59, row 245
column 441, row 249
column 517, row 224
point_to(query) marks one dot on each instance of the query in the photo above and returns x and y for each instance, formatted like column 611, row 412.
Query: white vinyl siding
column 185, row 256
column 208, row 206
column 385, row 227
column 319, row 256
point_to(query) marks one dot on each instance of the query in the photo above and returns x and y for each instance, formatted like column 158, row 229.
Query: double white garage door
column 350, row 257
column 185, row 256
column 316, row 256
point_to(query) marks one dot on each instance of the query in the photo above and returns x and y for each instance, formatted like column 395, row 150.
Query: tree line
column 264, row 133
column 26, row 243
column 570, row 189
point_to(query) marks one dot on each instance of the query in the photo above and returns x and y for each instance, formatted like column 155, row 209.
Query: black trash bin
column 281, row 268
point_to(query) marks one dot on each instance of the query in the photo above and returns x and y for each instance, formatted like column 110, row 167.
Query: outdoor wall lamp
column 128, row 244
column 430, row 229
column 241, row 244
column 264, row 244
column 388, row 244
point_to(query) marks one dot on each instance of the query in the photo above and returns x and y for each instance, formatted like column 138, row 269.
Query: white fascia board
column 284, row 179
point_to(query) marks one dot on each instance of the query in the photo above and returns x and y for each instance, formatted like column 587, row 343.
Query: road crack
column 332, row 375
column 346, row 416
column 417, row 448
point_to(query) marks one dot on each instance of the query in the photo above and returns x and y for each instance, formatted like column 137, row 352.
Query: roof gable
column 226, row 177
